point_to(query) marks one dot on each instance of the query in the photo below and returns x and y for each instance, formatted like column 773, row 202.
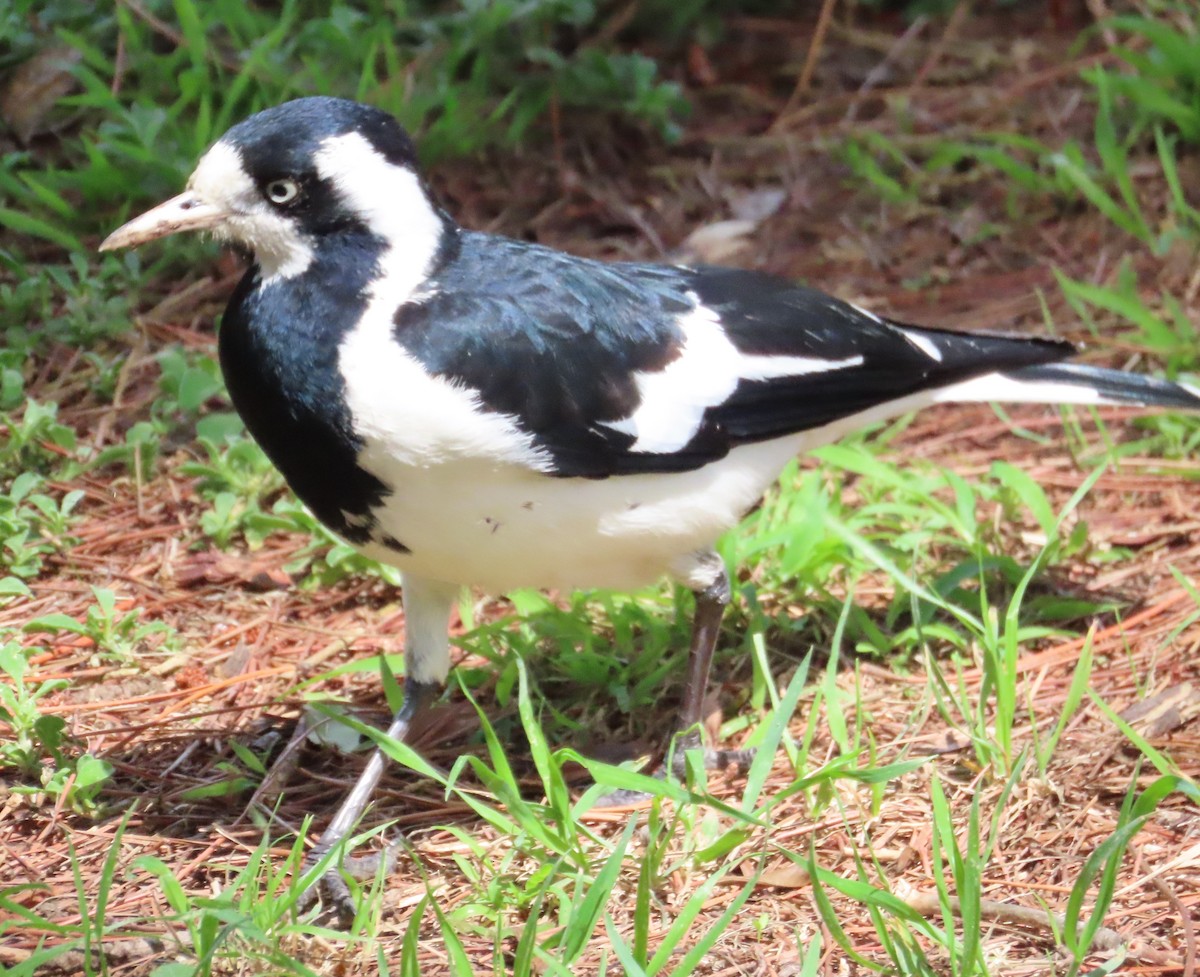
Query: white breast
column 503, row 526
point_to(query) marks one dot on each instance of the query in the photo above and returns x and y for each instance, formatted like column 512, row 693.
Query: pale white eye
column 282, row 191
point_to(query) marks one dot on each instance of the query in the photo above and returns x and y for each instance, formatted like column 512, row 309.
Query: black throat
column 278, row 345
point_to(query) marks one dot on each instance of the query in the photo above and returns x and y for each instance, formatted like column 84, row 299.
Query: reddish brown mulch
column 249, row 639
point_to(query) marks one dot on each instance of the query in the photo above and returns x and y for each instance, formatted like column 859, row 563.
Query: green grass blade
column 624, row 954
column 410, row 965
column 768, row 748
column 584, row 919
column 712, row 933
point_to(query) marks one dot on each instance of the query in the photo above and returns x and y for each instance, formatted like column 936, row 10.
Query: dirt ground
column 756, row 139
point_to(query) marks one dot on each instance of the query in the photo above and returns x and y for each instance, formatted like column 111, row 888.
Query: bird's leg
column 711, row 602
column 712, row 597
column 330, row 884
column 427, row 662
column 709, row 581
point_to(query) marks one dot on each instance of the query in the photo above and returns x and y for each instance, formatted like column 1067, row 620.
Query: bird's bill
column 186, row 212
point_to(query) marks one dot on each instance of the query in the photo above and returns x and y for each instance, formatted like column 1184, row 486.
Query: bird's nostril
column 187, row 205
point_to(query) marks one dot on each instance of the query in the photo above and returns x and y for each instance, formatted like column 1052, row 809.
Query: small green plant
column 37, row 745
column 1162, row 85
column 899, row 928
column 807, row 538
column 32, row 525
column 323, row 560
column 32, row 737
column 1168, row 334
column 1081, row 924
column 12, row 377
column 188, row 379
column 236, row 479
column 115, row 633
column 34, row 440
column 958, row 873
column 879, row 163
column 250, row 921
column 638, row 960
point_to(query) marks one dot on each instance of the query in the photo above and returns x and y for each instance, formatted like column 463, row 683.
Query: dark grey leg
column 710, row 583
column 706, row 625
column 330, row 884
column 711, row 601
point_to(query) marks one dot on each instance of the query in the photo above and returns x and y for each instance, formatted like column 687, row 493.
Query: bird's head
column 284, row 178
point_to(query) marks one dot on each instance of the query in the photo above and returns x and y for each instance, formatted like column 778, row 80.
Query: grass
column 879, row 604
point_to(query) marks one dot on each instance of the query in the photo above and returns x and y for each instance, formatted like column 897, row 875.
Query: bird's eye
column 282, row 191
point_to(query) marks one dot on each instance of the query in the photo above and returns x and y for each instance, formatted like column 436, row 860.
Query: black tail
column 1107, row 386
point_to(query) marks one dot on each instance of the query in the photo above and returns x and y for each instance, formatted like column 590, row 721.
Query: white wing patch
column 924, row 344
column 409, row 418
column 867, row 312
column 998, row 387
column 707, row 371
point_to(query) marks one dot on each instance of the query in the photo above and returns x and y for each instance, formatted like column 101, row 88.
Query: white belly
column 502, row 526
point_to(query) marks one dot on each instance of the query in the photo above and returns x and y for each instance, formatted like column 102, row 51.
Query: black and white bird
column 482, row 411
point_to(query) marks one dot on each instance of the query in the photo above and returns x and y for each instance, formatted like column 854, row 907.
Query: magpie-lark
column 482, row 411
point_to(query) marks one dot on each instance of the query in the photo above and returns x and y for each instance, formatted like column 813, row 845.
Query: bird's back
column 626, row 368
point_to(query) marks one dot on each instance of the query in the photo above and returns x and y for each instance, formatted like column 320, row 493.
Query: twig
column 164, row 29
column 283, row 767
column 108, row 952
column 810, row 63
column 1104, row 941
column 1185, row 920
column 877, row 74
column 939, row 46
column 1102, row 15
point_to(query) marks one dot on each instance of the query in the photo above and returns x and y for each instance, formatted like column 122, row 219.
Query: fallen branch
column 1105, row 939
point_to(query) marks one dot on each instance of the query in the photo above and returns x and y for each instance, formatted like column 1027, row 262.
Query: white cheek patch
column 706, row 373
column 281, row 249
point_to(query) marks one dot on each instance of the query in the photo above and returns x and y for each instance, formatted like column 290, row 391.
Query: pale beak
column 187, row 212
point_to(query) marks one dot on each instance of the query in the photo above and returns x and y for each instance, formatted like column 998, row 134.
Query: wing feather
column 626, row 368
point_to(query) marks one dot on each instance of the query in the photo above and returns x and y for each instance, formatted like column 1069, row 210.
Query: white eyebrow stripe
column 406, row 416
column 389, row 198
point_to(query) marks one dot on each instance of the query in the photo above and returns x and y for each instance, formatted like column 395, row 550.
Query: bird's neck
column 392, row 268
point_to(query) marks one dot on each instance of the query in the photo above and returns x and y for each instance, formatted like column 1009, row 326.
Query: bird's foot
column 712, row 758
column 331, row 887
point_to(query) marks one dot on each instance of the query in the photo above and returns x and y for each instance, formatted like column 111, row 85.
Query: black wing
column 769, row 316
column 559, row 343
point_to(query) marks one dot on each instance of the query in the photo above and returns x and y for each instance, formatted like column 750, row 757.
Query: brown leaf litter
column 250, row 639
